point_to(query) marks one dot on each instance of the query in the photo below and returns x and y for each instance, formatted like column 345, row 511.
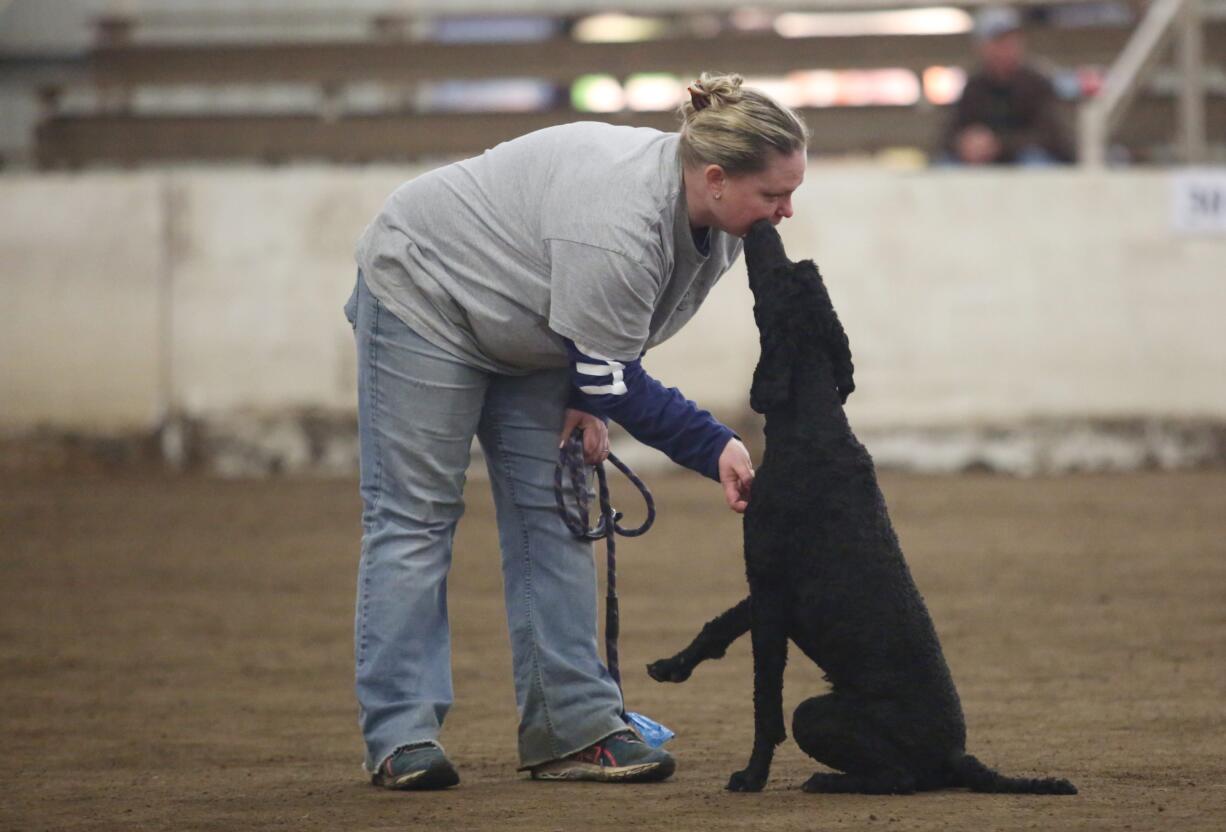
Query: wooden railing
column 115, row 133
column 1165, row 21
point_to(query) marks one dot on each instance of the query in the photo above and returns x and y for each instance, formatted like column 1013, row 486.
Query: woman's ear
column 715, row 179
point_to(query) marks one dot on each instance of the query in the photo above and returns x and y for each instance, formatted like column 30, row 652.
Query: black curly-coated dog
column 825, row 570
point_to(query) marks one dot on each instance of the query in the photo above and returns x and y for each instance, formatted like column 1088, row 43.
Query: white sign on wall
column 1199, row 201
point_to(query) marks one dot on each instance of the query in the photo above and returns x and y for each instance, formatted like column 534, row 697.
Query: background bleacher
column 291, row 81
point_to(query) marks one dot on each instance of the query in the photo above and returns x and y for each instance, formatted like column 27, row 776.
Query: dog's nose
column 763, row 249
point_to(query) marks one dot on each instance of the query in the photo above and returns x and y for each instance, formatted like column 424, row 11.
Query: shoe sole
column 591, row 772
column 441, row 776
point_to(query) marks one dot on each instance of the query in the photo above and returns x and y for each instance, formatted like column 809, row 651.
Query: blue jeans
column 418, row 410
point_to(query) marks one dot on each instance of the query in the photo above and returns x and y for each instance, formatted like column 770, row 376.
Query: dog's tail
column 973, row 774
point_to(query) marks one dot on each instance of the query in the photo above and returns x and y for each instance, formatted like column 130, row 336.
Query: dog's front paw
column 745, row 781
column 670, row 670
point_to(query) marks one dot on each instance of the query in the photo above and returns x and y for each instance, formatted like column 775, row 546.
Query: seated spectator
column 1008, row 111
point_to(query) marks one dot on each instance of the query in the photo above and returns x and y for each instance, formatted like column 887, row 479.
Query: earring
column 717, row 196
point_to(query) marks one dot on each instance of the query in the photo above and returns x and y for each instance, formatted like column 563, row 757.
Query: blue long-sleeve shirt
column 655, row 415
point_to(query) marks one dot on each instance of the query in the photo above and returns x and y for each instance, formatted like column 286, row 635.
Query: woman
column 511, row 296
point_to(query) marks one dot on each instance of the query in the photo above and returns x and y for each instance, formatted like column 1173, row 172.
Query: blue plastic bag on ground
column 652, row 732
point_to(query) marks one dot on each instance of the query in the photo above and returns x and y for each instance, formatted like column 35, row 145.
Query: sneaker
column 418, row 767
column 620, row 758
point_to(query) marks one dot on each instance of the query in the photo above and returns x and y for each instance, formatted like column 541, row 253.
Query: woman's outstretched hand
column 736, row 475
column 595, row 435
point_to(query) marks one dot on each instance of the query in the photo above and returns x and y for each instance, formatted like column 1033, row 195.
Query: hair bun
column 735, row 127
column 713, row 90
column 700, row 99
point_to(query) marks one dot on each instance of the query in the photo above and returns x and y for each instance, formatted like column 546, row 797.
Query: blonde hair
column 735, row 127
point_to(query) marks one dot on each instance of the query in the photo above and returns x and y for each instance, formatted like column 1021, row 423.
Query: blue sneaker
column 620, row 758
column 418, row 767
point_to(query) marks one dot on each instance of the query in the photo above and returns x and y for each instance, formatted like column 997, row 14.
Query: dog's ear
column 832, row 333
column 772, row 378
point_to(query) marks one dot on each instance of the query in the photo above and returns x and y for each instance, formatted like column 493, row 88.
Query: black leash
column 570, row 461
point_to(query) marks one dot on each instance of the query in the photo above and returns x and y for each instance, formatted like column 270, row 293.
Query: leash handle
column 648, row 501
column 570, row 461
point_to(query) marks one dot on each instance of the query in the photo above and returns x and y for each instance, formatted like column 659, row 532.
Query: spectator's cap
column 994, row 21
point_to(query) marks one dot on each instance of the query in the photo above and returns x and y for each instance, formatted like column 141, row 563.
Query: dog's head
column 764, row 258
column 778, row 284
column 797, row 326
column 783, row 301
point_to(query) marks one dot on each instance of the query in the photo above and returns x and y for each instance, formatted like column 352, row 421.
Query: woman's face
column 737, row 202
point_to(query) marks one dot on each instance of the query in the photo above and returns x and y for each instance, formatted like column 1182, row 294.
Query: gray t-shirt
column 579, row 230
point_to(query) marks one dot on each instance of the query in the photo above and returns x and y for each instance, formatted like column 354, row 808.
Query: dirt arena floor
column 176, row 654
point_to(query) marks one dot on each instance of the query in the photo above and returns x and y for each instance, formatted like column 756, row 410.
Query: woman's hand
column 736, row 475
column 595, row 435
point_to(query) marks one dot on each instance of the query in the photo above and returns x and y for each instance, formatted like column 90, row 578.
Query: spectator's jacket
column 1022, row 112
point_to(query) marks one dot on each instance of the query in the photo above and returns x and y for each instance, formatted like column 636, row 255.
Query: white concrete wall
column 996, row 297
column 263, row 265
column 969, row 298
column 82, row 268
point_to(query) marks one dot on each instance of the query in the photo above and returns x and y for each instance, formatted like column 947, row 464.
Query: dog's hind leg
column 711, row 643
column 831, row 730
column 884, row 783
